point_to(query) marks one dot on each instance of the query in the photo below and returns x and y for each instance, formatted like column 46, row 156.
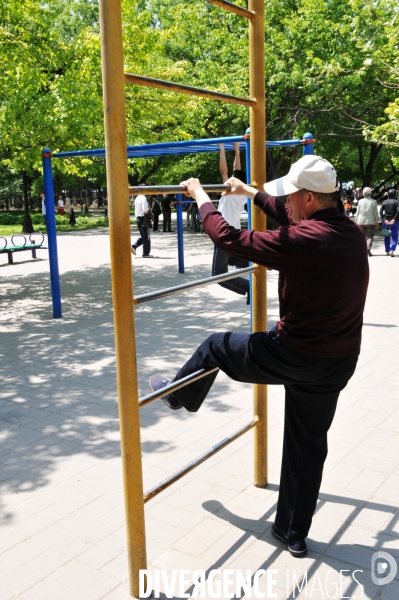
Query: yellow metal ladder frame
column 113, row 78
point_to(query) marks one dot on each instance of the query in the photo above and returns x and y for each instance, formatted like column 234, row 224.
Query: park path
column 62, row 530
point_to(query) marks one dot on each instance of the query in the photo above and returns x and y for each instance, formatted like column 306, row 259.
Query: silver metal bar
column 175, row 189
column 192, row 284
column 198, row 461
column 176, row 385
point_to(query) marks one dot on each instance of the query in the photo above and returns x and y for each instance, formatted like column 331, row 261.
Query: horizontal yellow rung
column 186, row 89
column 238, row 10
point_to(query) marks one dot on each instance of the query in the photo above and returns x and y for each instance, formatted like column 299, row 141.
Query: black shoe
column 369, row 253
column 157, row 382
column 297, row 548
column 147, row 256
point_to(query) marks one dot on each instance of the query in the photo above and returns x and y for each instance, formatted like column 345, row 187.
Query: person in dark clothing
column 389, row 213
column 314, row 348
column 156, row 211
column 72, row 218
column 193, row 210
column 167, row 212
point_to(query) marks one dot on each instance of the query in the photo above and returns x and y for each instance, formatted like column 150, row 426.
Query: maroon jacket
column 323, row 273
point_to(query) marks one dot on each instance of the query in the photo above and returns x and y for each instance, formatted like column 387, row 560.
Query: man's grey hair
column 367, row 192
column 326, row 199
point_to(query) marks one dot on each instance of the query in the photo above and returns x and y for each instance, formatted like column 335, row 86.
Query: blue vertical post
column 249, row 211
column 180, row 243
column 248, row 172
column 51, row 233
column 308, row 148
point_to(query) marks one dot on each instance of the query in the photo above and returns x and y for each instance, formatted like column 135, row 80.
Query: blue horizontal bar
column 184, row 147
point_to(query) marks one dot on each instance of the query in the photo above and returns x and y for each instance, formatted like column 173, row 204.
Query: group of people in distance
column 61, row 209
column 367, row 216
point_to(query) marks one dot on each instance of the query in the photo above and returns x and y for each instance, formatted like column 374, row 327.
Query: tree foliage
column 331, row 68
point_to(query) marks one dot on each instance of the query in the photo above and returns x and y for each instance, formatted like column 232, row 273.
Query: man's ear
column 310, row 197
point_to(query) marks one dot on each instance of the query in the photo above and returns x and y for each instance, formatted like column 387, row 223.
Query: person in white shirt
column 141, row 209
column 230, row 207
column 367, row 217
column 61, row 209
column 43, row 197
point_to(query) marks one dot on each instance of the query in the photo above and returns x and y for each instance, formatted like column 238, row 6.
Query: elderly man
column 314, row 348
column 367, row 217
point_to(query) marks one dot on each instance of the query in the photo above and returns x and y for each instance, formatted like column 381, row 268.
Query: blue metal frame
column 51, row 233
column 308, row 148
column 184, row 147
column 180, row 243
column 145, row 151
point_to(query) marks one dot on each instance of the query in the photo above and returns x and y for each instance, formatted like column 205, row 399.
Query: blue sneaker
column 297, row 548
column 157, row 382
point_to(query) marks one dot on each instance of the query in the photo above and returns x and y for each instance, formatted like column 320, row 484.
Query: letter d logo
column 378, row 568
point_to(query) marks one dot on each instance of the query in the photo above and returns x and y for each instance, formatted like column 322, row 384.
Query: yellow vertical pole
column 258, row 178
column 122, row 283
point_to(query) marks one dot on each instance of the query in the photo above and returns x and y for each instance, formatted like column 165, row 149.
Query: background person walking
column 61, row 208
column 141, row 210
column 389, row 213
column 43, row 197
column 367, row 217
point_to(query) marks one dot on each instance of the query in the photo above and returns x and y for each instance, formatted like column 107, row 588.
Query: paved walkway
column 62, row 531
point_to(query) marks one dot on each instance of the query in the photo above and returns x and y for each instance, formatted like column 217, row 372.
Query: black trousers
column 167, row 220
column 220, row 264
column 194, row 217
column 144, row 239
column 156, row 221
column 312, row 387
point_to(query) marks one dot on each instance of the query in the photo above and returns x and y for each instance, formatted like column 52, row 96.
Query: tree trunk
column 375, row 149
column 361, row 162
column 27, row 226
column 88, row 195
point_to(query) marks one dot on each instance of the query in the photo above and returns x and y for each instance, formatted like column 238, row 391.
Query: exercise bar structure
column 144, row 151
column 121, row 266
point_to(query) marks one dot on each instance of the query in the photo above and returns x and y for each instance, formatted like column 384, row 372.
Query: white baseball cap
column 310, row 172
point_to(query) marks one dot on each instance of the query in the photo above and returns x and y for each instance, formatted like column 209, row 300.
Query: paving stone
column 101, row 553
column 367, row 481
column 51, row 590
column 30, row 573
column 81, row 523
column 63, row 540
column 42, row 519
column 91, row 582
column 20, row 554
column 341, row 476
column 9, row 538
